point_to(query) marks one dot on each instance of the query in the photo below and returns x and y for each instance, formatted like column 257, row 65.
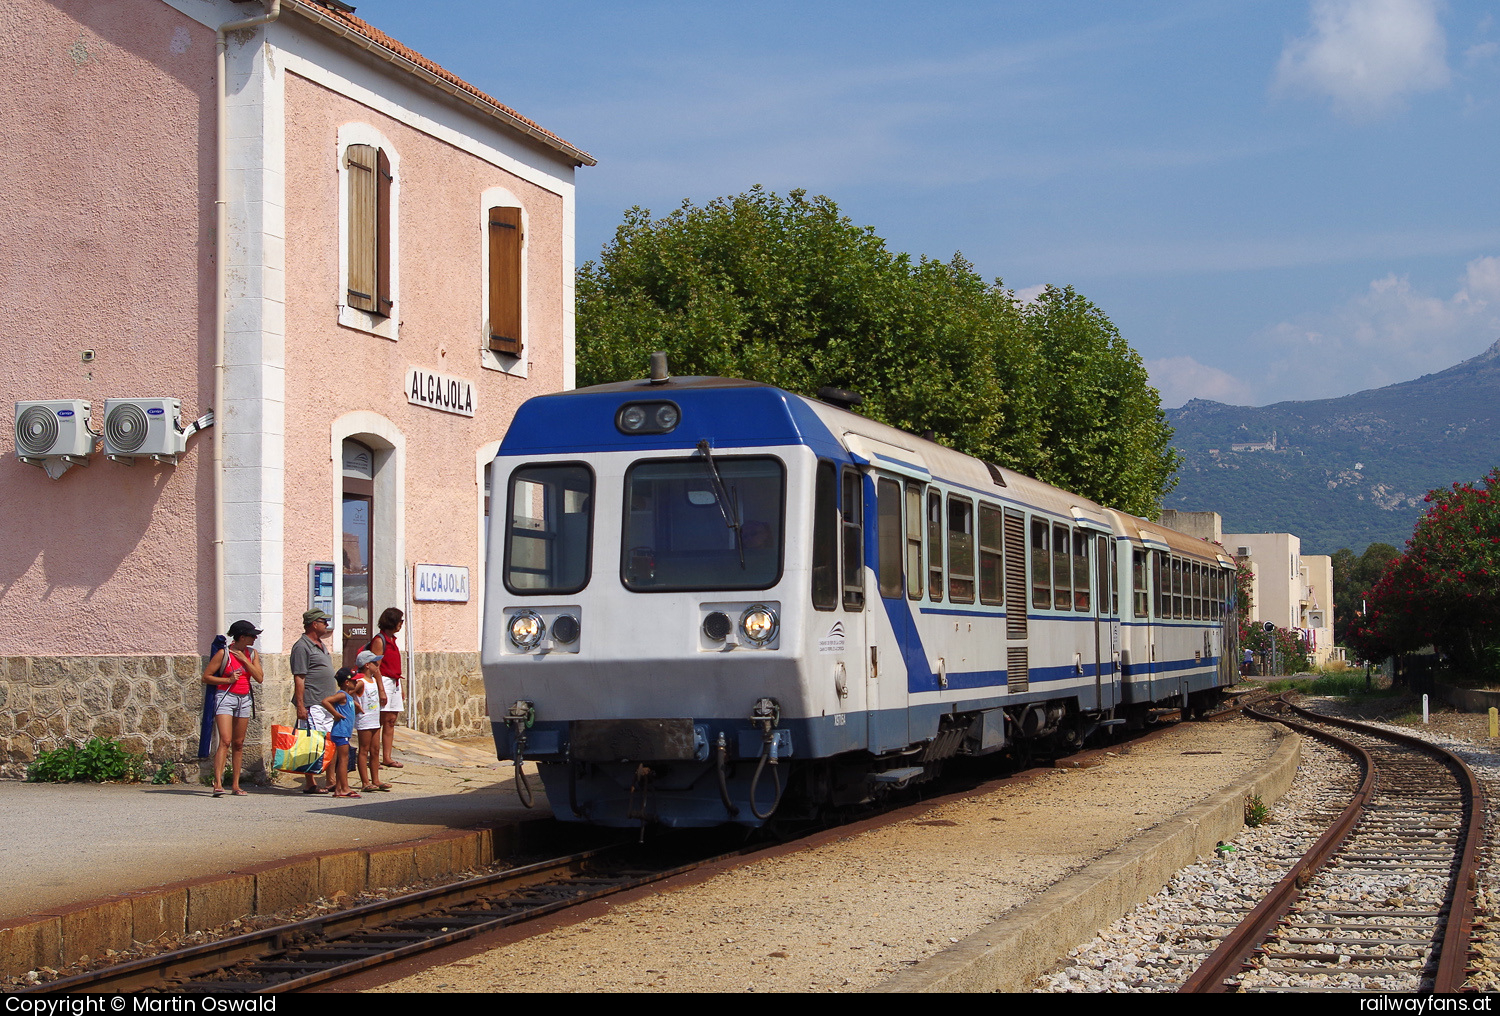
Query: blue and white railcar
column 712, row 600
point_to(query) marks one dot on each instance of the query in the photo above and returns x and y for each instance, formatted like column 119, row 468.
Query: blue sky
column 1272, row 200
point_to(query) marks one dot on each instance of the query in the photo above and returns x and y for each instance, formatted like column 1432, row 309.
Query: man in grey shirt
column 312, row 680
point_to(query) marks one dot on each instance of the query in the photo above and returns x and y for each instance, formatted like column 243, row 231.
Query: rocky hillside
column 1342, row 472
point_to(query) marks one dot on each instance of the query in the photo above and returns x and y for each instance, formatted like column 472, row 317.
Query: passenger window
column 991, row 559
column 852, row 508
column 914, row 541
column 1062, row 568
column 961, row 549
column 825, row 563
column 1140, row 593
column 1041, row 566
column 888, row 536
column 1081, row 599
column 1159, row 585
column 934, row 546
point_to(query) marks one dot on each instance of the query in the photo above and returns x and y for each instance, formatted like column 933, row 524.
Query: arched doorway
column 357, row 550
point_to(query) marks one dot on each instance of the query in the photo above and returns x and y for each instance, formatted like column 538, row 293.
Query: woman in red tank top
column 236, row 702
column 384, row 646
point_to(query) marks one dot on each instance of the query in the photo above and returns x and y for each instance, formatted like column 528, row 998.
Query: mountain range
column 1343, row 472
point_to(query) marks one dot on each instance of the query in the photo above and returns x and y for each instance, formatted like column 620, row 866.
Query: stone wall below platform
column 153, row 705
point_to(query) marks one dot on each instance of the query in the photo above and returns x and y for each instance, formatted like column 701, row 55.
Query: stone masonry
column 152, row 704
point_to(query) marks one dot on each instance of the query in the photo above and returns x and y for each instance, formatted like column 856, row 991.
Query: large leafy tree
column 790, row 292
column 1354, row 578
column 1445, row 590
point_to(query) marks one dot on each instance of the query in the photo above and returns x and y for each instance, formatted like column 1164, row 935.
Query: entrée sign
column 440, row 392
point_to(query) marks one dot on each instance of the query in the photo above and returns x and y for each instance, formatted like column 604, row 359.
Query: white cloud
column 1367, row 55
column 1180, row 378
column 1028, row 294
column 1391, row 332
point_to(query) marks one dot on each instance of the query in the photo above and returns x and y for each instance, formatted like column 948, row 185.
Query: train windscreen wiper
column 727, row 508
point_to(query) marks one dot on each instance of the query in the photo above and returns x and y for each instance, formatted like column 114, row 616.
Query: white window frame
column 515, row 366
column 389, row 326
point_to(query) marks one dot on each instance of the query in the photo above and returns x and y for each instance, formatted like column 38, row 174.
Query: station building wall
column 106, row 575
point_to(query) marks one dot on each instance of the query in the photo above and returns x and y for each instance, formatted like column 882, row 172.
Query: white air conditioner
column 54, row 435
column 150, row 428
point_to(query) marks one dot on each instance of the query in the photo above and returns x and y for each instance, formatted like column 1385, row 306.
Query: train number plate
column 632, row 740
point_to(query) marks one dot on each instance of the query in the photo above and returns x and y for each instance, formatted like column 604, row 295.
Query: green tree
column 790, row 292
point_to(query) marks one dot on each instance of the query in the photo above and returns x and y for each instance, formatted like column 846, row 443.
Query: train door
column 1106, row 620
column 888, row 628
column 840, row 629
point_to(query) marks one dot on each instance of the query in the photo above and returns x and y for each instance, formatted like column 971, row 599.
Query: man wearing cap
column 313, row 681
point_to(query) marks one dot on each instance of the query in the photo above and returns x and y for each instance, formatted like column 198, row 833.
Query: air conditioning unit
column 54, row 435
column 150, row 428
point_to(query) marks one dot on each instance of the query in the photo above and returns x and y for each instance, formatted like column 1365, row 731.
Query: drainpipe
column 221, row 294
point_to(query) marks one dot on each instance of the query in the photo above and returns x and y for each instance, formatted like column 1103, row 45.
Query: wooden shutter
column 364, row 281
column 383, row 180
column 505, row 280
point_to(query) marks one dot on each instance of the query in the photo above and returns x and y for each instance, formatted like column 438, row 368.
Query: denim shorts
column 230, row 704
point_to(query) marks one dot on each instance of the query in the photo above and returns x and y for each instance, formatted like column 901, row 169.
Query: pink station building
column 358, row 263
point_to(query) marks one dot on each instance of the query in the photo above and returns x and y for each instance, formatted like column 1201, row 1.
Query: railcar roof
column 940, row 461
column 669, row 385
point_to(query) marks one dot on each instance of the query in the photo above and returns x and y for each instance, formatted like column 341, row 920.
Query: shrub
column 98, row 760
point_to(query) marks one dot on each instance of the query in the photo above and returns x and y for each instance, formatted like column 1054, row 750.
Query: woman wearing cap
column 241, row 664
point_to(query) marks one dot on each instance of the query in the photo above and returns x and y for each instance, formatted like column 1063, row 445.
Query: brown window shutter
column 382, row 233
column 505, row 280
column 363, row 227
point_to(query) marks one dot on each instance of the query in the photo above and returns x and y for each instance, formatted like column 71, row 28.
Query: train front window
column 551, row 511
column 686, row 529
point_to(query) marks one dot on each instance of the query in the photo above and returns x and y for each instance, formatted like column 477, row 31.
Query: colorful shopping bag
column 300, row 750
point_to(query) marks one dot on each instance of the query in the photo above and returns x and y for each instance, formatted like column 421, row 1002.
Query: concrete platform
column 89, row 867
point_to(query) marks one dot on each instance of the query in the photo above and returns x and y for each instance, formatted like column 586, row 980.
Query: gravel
column 847, row 915
column 1155, row 947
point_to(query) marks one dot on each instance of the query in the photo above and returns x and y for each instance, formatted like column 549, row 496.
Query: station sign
column 439, row 391
column 444, row 583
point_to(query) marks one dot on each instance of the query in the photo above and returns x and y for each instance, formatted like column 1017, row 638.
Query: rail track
column 306, row 953
column 332, row 946
column 1384, row 899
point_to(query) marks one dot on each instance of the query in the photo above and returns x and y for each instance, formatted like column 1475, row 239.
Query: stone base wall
column 153, row 705
column 448, row 689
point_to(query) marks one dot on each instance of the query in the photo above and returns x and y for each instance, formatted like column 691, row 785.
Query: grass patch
column 1256, row 811
column 1345, row 684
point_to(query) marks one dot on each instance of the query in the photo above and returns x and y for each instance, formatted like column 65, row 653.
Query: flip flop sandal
column 241, row 793
column 315, row 789
column 352, row 793
column 384, row 786
column 218, row 793
column 393, row 765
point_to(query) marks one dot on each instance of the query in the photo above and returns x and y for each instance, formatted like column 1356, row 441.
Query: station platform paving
column 90, row 868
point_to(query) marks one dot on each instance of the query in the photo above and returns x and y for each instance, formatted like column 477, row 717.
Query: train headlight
column 526, row 629
column 759, row 624
column 633, row 418
column 647, row 417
